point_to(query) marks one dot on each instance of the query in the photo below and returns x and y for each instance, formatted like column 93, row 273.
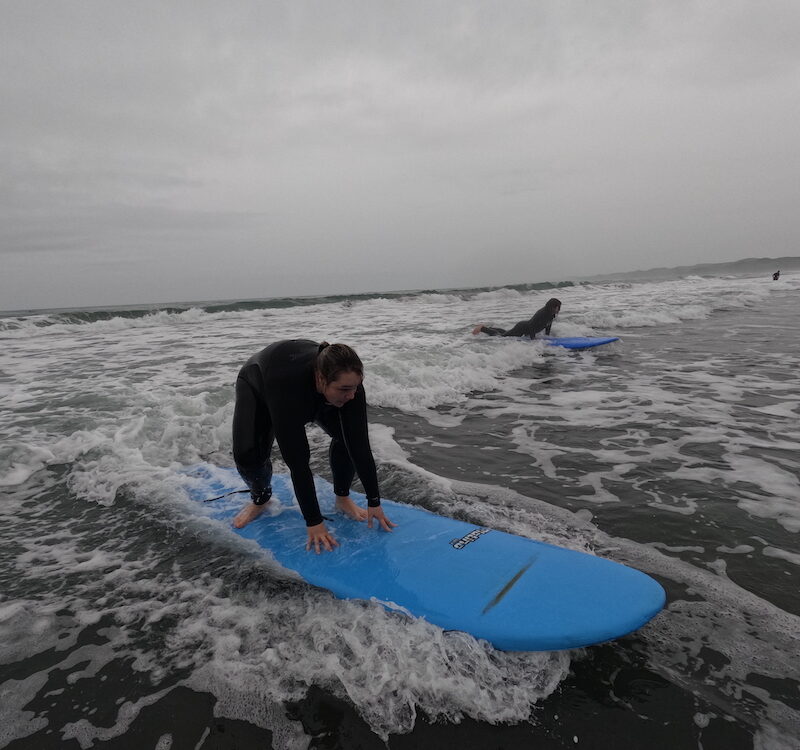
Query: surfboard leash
column 219, row 497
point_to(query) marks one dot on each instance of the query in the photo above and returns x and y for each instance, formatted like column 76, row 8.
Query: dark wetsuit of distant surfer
column 279, row 391
column 541, row 321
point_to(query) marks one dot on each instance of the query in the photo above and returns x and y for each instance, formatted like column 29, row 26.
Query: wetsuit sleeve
column 293, row 445
column 287, row 407
column 356, row 436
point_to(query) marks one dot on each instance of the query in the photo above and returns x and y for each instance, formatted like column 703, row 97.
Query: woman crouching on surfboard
column 278, row 392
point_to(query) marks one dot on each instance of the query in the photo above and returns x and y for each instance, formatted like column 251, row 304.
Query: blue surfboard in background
column 514, row 592
column 579, row 342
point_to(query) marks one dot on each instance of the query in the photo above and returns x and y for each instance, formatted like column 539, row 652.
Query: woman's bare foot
column 350, row 509
column 477, row 329
column 250, row 512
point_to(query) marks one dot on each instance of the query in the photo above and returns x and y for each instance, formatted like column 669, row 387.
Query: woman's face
column 338, row 392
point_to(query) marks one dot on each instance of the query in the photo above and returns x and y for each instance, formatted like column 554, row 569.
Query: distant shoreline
column 745, row 266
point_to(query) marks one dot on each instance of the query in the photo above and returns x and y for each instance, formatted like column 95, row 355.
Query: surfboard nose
column 569, row 600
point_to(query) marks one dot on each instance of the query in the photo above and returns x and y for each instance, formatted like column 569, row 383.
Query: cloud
column 434, row 144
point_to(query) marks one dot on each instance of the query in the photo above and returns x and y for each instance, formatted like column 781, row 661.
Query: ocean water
column 128, row 622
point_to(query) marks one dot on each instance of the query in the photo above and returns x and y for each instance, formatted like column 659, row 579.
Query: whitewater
column 127, row 620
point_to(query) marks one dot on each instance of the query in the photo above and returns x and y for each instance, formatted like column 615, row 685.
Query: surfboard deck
column 516, row 593
column 579, row 342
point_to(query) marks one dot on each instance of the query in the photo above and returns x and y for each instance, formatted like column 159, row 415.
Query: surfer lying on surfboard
column 279, row 391
column 541, row 321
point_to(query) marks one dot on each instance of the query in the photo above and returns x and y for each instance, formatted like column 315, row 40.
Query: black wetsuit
column 276, row 397
column 541, row 321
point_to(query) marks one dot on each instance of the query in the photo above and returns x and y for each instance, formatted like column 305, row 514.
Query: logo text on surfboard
column 467, row 538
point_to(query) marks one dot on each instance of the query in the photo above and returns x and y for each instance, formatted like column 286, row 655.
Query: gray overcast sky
column 167, row 151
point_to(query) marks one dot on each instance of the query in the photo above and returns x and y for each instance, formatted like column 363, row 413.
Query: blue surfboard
column 516, row 593
column 579, row 342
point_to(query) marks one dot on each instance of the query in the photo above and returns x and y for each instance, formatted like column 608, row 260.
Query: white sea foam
column 266, row 648
column 14, row 696
column 106, row 413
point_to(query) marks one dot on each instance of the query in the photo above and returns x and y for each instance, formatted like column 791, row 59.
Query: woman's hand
column 377, row 512
column 319, row 535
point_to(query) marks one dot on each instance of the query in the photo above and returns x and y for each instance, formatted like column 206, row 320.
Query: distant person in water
column 541, row 321
column 776, row 275
column 279, row 391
